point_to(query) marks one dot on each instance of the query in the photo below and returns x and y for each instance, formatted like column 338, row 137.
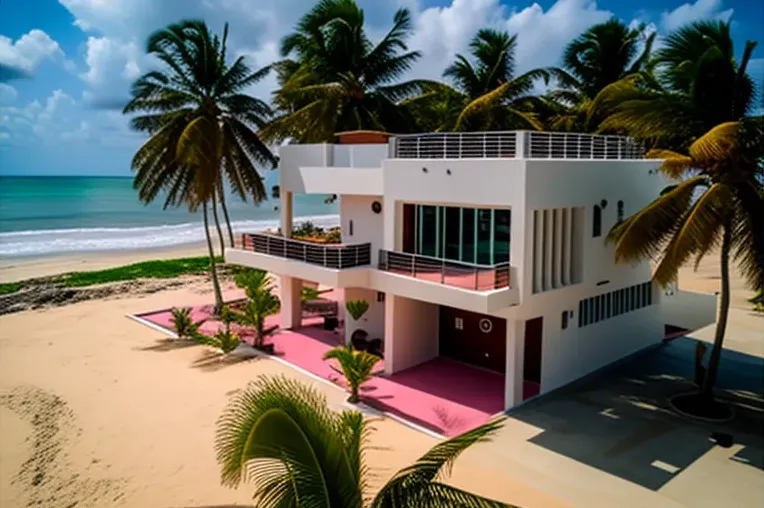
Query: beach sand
column 96, row 410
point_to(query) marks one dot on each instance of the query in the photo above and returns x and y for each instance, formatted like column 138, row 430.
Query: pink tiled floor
column 443, row 395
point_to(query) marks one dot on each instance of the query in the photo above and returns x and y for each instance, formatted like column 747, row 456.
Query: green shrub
column 184, row 326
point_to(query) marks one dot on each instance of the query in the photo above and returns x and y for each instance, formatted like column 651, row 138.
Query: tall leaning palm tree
column 282, row 435
column 601, row 55
column 718, row 205
column 695, row 84
column 202, row 126
column 485, row 93
column 333, row 79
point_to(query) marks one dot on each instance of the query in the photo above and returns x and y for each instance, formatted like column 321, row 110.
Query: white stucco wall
column 367, row 225
column 373, row 321
column 411, row 334
column 688, row 309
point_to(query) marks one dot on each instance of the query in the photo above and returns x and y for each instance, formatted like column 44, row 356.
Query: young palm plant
column 718, row 204
column 183, row 323
column 281, row 434
column 355, row 367
column 201, row 125
column 262, row 303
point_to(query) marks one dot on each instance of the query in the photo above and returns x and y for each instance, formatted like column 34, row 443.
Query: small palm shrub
column 308, row 293
column 355, row 366
column 252, row 280
column 262, row 303
column 357, row 308
column 225, row 341
column 185, row 327
column 282, row 435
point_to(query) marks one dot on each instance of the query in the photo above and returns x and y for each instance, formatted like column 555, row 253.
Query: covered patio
column 442, row 395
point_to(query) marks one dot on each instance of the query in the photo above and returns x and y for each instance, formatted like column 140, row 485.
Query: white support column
column 389, row 333
column 513, row 389
column 287, row 213
column 291, row 304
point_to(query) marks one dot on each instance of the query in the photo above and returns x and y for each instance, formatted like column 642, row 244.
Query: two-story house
column 488, row 248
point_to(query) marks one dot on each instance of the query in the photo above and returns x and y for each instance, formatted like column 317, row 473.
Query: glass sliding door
column 484, row 247
column 428, row 231
column 501, row 236
column 452, row 233
column 468, row 235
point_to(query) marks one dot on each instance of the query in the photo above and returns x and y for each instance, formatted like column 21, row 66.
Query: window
column 596, row 309
column 620, row 210
column 580, row 313
column 427, row 230
column 584, row 312
column 380, row 296
column 597, row 218
column 633, row 291
column 649, row 293
column 564, row 319
column 451, row 227
column 608, row 306
column 350, row 227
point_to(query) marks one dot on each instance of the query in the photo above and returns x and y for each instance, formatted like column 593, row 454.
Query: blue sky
column 66, row 65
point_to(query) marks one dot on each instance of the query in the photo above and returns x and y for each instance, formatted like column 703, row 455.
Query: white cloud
column 8, row 94
column 687, row 13
column 23, row 55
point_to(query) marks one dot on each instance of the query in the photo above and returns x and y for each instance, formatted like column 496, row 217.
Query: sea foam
column 60, row 241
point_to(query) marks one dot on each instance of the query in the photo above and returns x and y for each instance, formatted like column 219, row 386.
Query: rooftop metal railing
column 516, row 145
column 447, row 272
column 327, row 255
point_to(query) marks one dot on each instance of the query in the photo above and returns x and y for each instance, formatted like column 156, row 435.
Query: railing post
column 476, row 278
column 325, row 249
column 356, row 255
column 305, row 253
column 520, row 137
column 267, row 244
column 418, row 139
column 461, row 144
column 443, row 271
column 413, row 266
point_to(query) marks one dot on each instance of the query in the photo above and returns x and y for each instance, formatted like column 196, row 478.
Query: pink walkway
column 442, row 395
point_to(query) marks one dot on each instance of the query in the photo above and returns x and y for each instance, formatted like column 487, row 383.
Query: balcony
column 516, row 145
column 337, row 265
column 336, row 256
column 447, row 272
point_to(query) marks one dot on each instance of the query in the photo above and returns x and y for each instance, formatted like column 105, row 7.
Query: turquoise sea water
column 51, row 215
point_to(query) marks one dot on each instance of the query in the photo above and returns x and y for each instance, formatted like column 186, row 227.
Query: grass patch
column 7, row 288
column 157, row 269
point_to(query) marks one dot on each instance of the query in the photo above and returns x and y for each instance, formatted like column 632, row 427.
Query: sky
column 66, row 65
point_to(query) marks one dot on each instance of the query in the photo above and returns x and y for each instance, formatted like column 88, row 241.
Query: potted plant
column 355, row 367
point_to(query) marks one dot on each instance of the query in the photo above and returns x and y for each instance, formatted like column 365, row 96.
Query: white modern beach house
column 484, row 247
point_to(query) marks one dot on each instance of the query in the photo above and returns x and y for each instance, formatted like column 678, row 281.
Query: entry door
column 473, row 338
column 534, row 330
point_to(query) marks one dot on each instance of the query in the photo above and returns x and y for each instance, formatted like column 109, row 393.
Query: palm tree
column 282, row 435
column 200, row 123
column 696, row 83
column 719, row 203
column 603, row 54
column 486, row 94
column 334, row 79
column 355, row 366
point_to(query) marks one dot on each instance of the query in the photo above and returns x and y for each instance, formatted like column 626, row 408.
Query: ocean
column 58, row 215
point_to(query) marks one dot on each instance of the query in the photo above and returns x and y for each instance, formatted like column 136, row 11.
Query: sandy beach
column 97, row 410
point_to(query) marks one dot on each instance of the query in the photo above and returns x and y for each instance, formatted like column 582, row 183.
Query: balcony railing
column 444, row 271
column 326, row 255
column 516, row 145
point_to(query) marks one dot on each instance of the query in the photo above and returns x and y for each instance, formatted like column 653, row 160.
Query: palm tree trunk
column 225, row 214
column 213, row 264
column 217, row 224
column 721, row 325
